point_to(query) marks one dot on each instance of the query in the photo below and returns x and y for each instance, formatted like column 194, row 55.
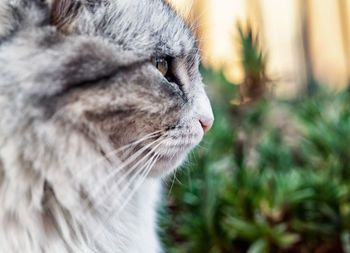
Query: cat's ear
column 63, row 12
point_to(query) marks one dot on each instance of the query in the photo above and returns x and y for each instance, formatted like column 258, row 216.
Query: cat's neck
column 49, row 207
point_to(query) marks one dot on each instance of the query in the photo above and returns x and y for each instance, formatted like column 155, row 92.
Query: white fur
column 58, row 191
column 131, row 230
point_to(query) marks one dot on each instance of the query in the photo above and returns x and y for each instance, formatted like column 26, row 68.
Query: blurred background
column 293, row 34
column 273, row 174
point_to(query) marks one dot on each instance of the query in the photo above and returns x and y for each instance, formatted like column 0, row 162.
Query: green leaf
column 259, row 246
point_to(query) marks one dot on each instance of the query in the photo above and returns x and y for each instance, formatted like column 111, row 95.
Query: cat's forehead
column 147, row 26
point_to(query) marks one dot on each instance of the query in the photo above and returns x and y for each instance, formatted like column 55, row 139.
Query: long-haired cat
column 98, row 100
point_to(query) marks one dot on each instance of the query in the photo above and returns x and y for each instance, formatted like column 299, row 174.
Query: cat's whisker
column 155, row 157
column 132, row 179
column 123, row 165
column 142, row 179
column 116, row 151
column 102, row 203
column 148, row 136
column 100, row 186
column 144, row 171
column 131, row 182
column 172, row 184
column 198, row 18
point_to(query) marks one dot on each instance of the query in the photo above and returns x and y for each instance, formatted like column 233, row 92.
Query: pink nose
column 206, row 124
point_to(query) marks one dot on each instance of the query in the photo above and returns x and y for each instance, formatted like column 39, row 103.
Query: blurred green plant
column 254, row 65
column 272, row 176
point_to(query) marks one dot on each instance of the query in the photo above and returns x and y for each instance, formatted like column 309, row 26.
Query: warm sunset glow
column 184, row 7
column 279, row 24
column 327, row 43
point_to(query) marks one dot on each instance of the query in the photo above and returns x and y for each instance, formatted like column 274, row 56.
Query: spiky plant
column 271, row 177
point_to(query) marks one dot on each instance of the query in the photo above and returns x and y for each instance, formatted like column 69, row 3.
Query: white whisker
column 116, row 151
column 144, row 171
column 142, row 179
column 122, row 166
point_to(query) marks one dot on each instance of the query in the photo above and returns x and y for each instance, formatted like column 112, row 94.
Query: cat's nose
column 204, row 112
column 206, row 123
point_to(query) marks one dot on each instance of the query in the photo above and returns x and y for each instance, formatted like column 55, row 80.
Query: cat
column 99, row 100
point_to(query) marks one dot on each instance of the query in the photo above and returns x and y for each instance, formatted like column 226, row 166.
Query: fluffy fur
column 88, row 124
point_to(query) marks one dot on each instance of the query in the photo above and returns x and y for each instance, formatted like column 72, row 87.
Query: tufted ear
column 63, row 12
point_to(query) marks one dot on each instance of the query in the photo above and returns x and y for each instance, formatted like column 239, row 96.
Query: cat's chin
column 166, row 165
column 173, row 158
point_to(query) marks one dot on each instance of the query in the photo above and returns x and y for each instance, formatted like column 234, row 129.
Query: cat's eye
column 161, row 64
column 165, row 65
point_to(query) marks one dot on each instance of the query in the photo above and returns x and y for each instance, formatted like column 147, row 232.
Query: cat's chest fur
column 145, row 229
column 137, row 224
column 47, row 224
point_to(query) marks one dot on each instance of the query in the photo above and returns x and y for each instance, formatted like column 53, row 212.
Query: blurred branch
column 305, row 10
column 343, row 16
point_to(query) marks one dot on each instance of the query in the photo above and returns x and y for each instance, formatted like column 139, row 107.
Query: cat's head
column 123, row 73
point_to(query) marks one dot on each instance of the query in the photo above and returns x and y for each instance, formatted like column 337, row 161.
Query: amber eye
column 161, row 64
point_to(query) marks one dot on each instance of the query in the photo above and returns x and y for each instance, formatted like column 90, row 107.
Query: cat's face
column 134, row 83
column 157, row 90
